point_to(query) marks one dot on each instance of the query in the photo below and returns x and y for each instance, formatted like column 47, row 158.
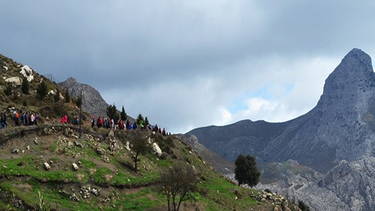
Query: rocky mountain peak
column 92, row 101
column 70, row 82
column 351, row 80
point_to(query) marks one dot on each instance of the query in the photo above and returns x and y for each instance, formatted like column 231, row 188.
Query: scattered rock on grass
column 47, row 166
column 75, row 166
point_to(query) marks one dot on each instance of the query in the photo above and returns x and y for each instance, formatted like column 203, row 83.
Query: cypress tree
column 123, row 114
column 42, row 90
column 67, row 96
column 25, row 86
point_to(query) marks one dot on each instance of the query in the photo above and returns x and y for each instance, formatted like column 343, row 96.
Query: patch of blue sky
column 267, row 92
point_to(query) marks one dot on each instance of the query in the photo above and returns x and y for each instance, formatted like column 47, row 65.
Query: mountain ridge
column 340, row 128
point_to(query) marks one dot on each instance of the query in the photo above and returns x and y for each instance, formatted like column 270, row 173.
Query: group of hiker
column 122, row 125
column 26, row 118
column 29, row 118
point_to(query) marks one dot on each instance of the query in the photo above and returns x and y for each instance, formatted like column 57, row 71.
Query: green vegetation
column 67, row 96
column 178, row 183
column 42, row 90
column 303, row 206
column 56, row 98
column 246, row 171
column 25, row 86
column 140, row 119
column 8, row 90
column 123, row 114
column 120, row 186
column 47, row 167
column 112, row 112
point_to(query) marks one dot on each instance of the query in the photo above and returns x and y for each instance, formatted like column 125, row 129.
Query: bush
column 67, row 96
column 25, row 86
column 8, row 89
column 246, row 171
column 303, row 206
column 42, row 90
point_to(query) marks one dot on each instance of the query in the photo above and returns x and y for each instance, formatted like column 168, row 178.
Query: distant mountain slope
column 336, row 139
column 341, row 126
column 244, row 137
column 221, row 165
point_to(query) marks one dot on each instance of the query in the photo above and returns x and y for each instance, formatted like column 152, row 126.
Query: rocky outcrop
column 92, row 101
column 336, row 138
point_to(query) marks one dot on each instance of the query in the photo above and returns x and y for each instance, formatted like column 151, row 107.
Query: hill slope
column 104, row 177
column 53, row 166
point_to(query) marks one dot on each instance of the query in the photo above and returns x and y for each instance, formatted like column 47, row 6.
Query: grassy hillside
column 104, row 180
column 49, row 167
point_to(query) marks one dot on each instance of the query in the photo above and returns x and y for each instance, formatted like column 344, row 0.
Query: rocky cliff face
column 340, row 126
column 335, row 138
column 93, row 102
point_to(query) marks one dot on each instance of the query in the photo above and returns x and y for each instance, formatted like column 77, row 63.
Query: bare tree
column 178, row 183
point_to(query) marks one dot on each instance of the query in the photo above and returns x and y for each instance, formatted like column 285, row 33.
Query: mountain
column 53, row 166
column 339, row 129
column 220, row 165
column 19, row 85
column 92, row 102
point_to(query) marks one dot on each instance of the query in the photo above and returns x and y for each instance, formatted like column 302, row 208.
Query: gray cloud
column 191, row 63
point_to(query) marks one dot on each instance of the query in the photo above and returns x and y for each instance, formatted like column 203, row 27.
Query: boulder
column 47, row 166
column 156, row 149
column 75, row 166
column 14, row 80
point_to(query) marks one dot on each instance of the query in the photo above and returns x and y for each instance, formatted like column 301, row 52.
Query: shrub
column 178, row 183
column 246, row 171
column 42, row 90
column 303, row 206
column 25, row 86
column 8, row 89
column 67, row 96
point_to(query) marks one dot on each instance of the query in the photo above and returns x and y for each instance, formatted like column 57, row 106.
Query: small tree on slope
column 246, row 171
column 178, row 183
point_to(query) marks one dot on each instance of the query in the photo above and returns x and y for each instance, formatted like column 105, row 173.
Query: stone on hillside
column 17, row 81
column 73, row 197
column 111, row 134
column 78, row 144
column 27, row 72
column 127, row 146
column 36, row 141
column 48, row 131
column 156, row 149
column 100, row 151
column 47, row 166
column 15, row 151
column 75, row 166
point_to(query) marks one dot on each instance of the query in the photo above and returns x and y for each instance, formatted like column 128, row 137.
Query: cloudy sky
column 188, row 64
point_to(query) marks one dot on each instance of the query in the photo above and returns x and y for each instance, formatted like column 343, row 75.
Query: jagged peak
column 71, row 80
column 352, row 77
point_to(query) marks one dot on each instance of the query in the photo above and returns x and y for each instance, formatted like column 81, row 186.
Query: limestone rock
column 156, row 149
column 47, row 166
column 17, row 81
column 75, row 166
column 15, row 151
